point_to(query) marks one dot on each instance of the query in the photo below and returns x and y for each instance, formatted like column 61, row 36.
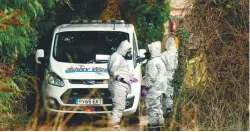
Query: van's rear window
column 82, row 46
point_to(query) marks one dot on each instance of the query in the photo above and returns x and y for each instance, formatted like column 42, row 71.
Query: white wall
column 179, row 4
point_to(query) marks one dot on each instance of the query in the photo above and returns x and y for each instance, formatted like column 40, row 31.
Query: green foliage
column 16, row 122
column 20, row 85
column 18, row 38
column 180, row 92
column 5, row 99
column 148, row 17
column 183, row 36
column 19, row 19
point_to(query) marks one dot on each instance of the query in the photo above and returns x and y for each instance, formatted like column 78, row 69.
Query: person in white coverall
column 121, row 77
column 155, row 83
column 170, row 58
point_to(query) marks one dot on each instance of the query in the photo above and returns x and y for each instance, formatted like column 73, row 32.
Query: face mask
column 128, row 55
column 147, row 55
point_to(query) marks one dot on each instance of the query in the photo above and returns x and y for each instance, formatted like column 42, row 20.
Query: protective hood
column 170, row 56
column 124, row 47
column 155, row 49
column 170, row 45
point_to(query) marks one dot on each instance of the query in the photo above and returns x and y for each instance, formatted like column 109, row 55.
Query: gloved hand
column 124, row 80
column 134, row 80
column 144, row 91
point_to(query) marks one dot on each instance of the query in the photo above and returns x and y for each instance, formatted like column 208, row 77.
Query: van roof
column 95, row 27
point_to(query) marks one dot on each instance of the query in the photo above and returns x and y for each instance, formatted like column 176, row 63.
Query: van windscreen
column 83, row 46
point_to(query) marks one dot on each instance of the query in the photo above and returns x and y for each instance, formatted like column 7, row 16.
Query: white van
column 76, row 77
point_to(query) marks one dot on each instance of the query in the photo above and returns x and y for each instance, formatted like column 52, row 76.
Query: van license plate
column 89, row 101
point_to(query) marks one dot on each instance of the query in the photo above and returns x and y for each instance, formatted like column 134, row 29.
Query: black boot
column 155, row 127
column 169, row 112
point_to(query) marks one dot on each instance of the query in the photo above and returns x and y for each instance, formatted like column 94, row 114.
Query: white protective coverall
column 170, row 58
column 118, row 66
column 155, row 82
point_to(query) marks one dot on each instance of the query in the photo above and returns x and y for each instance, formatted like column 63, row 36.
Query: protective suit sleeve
column 170, row 58
column 151, row 75
column 115, row 67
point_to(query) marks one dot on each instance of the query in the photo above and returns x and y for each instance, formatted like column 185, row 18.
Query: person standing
column 121, row 78
column 155, row 82
column 170, row 58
